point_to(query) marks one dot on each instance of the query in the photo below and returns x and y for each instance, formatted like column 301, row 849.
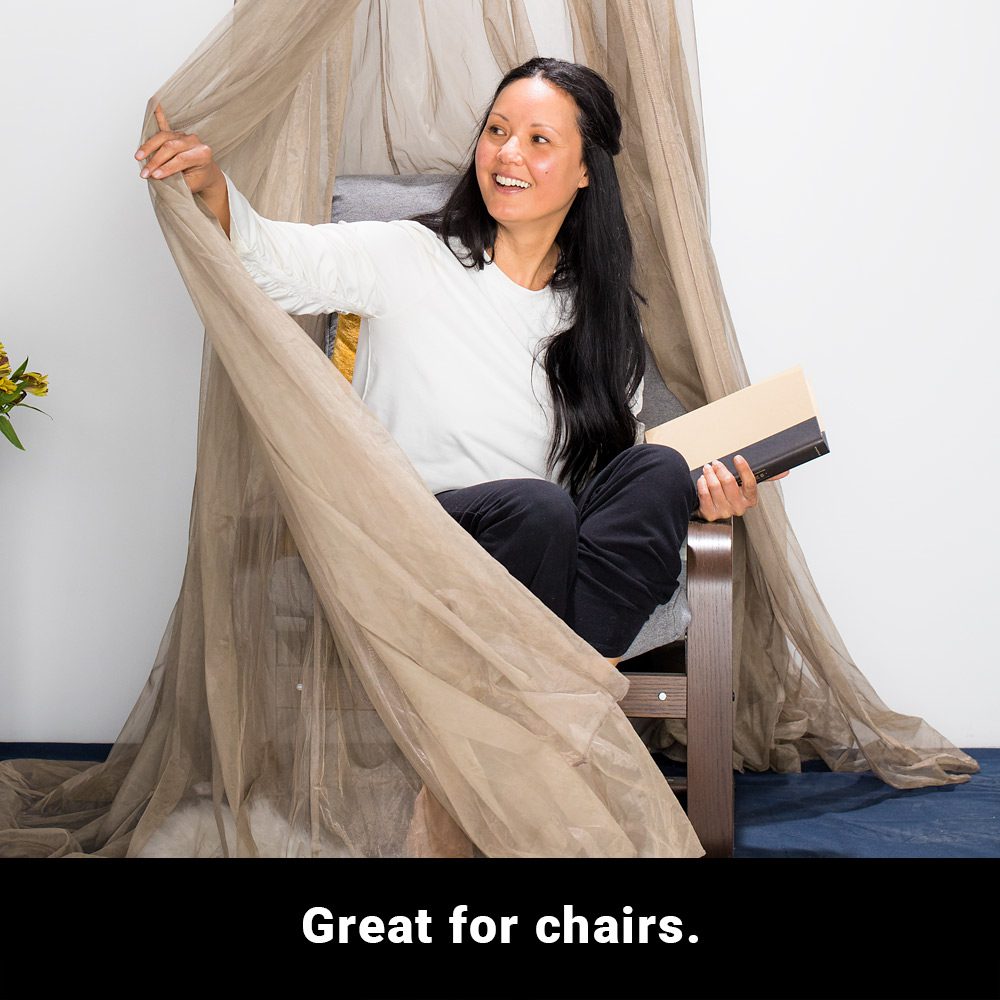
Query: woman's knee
column 668, row 469
column 547, row 510
column 662, row 460
column 659, row 455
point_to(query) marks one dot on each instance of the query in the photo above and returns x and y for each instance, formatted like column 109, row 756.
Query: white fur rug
column 190, row 831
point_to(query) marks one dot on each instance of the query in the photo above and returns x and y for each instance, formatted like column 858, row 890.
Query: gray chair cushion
column 361, row 198
column 668, row 622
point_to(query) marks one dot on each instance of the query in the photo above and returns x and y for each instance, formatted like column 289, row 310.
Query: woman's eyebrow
column 532, row 125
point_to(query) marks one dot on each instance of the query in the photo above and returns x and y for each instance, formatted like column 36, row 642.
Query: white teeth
column 510, row 182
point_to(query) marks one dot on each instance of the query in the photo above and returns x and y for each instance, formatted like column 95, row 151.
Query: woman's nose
column 510, row 151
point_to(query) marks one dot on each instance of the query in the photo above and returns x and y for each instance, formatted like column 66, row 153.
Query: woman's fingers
column 155, row 143
column 181, row 153
column 718, row 501
column 169, row 153
column 732, row 497
column 158, row 139
column 152, row 144
column 166, row 145
column 178, row 161
column 729, row 498
column 721, row 495
column 159, row 153
column 160, row 163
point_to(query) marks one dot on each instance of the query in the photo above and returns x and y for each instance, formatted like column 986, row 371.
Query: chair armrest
column 710, row 573
column 710, row 684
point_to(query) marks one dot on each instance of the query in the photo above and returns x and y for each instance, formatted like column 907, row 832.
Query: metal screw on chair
column 662, row 696
column 298, row 687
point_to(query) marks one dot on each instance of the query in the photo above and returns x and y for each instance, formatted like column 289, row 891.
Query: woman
column 526, row 268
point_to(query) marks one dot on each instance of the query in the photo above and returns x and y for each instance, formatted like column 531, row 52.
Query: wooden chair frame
column 701, row 692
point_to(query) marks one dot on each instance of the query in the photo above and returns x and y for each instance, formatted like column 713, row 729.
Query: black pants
column 601, row 561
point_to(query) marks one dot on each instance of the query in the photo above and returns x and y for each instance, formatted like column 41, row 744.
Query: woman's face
column 531, row 137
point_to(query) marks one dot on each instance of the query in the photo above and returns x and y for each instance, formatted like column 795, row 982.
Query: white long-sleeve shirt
column 444, row 357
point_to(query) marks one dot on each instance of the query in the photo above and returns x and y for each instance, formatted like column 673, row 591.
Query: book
column 773, row 424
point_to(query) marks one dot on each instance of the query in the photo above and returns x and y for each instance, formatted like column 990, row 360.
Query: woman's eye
column 498, row 130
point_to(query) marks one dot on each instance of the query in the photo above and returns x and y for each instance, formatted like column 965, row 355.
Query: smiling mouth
column 508, row 187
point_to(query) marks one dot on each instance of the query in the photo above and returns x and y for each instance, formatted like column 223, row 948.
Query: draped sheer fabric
column 346, row 672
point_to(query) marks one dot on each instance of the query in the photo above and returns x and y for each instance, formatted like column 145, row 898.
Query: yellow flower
column 35, row 383
column 4, row 365
column 7, row 386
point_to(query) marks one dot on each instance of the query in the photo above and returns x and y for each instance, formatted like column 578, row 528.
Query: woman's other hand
column 720, row 495
column 170, row 152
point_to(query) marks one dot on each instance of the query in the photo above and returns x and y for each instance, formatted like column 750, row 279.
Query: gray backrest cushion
column 360, row 198
column 659, row 404
column 385, row 198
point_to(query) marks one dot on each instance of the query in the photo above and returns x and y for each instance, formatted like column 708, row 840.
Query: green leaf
column 7, row 429
column 28, row 406
column 20, row 371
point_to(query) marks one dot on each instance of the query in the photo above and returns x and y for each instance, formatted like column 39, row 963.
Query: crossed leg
column 603, row 560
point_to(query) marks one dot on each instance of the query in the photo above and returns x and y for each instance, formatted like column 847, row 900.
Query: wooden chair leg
column 710, row 686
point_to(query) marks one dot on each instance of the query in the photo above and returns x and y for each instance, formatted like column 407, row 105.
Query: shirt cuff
column 242, row 220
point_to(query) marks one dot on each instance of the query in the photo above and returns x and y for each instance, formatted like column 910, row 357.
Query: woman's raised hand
column 170, row 152
column 720, row 495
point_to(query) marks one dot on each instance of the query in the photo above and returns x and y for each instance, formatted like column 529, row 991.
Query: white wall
column 832, row 129
column 94, row 515
column 853, row 156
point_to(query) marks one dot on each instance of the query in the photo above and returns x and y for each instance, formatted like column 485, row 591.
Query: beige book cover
column 773, row 424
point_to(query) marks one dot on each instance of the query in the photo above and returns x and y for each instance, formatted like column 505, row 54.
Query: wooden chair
column 680, row 664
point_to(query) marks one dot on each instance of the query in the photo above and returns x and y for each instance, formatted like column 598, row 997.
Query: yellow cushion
column 345, row 346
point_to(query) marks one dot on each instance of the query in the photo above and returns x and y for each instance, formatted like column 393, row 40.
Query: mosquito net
column 346, row 672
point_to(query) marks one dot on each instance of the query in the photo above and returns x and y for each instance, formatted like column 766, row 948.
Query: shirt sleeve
column 368, row 268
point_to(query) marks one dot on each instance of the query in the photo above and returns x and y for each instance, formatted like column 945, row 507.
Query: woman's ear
column 585, row 180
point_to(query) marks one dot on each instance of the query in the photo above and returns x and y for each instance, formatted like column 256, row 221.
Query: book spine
column 777, row 453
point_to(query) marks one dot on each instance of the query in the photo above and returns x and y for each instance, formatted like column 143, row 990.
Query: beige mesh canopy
column 346, row 671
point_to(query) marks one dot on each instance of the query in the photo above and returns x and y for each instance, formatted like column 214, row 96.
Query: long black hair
column 595, row 365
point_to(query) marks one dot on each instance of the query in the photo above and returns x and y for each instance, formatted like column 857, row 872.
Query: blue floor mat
column 828, row 815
